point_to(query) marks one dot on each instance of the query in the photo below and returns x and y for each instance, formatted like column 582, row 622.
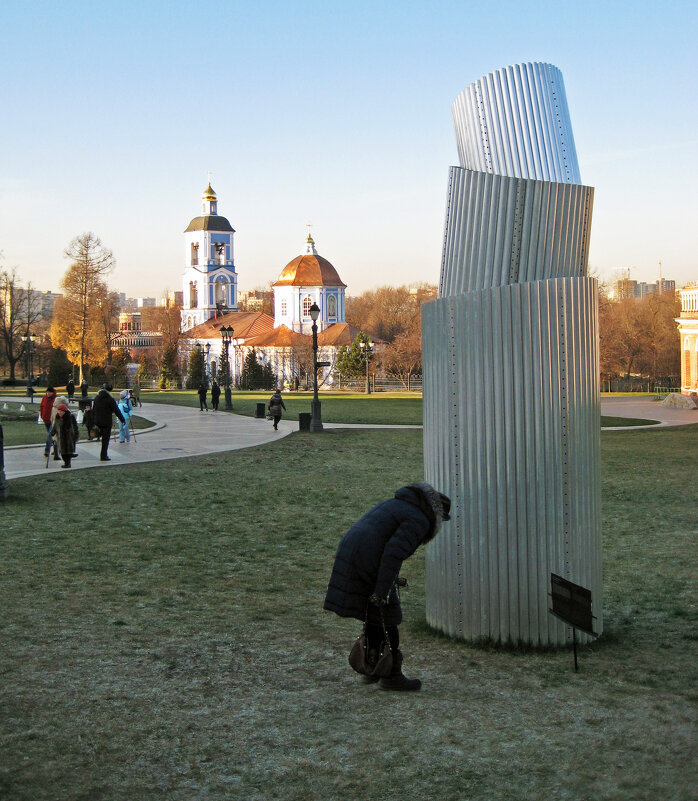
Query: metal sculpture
column 510, row 353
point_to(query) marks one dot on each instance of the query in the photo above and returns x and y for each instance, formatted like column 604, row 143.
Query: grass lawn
column 167, row 641
column 386, row 408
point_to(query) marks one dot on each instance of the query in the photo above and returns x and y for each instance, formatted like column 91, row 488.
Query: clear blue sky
column 337, row 114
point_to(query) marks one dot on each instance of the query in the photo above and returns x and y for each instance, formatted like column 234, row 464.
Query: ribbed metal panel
column 515, row 122
column 503, row 230
column 512, row 428
column 510, row 358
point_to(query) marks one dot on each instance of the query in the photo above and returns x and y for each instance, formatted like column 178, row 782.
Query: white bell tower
column 209, row 281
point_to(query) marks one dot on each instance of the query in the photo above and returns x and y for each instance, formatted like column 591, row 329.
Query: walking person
column 65, row 430
column 126, row 410
column 366, row 570
column 70, row 389
column 104, row 407
column 215, row 395
column 203, row 391
column 61, row 399
column 83, row 388
column 276, row 404
column 46, row 414
column 136, row 393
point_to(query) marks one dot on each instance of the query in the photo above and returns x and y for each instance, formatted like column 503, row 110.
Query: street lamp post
column 316, row 409
column 227, row 334
column 208, row 360
column 29, row 340
column 366, row 349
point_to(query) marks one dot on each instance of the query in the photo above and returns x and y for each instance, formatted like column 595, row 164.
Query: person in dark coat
column 367, row 565
column 70, row 388
column 203, row 391
column 276, row 404
column 83, row 388
column 65, row 430
column 215, row 395
column 103, row 408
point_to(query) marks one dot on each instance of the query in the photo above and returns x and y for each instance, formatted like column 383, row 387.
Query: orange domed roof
column 309, row 270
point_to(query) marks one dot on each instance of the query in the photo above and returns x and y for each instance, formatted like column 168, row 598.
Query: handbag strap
column 385, row 630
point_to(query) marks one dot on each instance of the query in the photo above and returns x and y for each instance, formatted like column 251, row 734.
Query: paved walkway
column 179, row 431
column 646, row 409
column 182, row 431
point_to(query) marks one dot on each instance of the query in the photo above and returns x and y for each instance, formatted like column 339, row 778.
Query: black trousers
column 106, row 436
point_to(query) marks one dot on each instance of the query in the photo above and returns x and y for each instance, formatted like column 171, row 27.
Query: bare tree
column 108, row 315
column 387, row 312
column 20, row 308
column 402, row 358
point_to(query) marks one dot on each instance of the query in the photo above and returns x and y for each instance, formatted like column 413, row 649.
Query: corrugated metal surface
column 503, row 230
column 512, row 430
column 510, row 356
column 515, row 122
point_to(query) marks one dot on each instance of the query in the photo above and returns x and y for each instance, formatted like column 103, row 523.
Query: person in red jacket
column 45, row 408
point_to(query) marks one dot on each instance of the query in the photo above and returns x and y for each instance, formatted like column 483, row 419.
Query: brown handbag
column 367, row 661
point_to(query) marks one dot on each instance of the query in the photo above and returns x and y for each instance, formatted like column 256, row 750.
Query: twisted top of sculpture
column 515, row 122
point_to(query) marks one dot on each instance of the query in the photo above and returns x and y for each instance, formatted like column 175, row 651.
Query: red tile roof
column 245, row 325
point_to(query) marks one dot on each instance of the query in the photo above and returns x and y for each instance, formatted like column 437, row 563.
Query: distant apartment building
column 688, row 332
column 141, row 302
column 48, row 301
column 171, row 299
column 255, row 300
column 628, row 288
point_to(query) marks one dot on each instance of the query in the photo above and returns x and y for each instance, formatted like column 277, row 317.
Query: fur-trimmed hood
column 433, row 503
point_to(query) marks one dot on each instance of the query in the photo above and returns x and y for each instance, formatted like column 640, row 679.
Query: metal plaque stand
column 572, row 605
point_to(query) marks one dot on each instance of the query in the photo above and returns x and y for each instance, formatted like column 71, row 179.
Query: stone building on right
column 511, row 369
column 688, row 331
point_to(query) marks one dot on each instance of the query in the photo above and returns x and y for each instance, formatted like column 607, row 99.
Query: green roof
column 209, row 222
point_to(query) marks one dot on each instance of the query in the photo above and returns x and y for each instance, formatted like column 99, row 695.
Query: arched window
column 284, row 308
column 193, row 296
column 194, row 253
column 307, row 303
column 331, row 306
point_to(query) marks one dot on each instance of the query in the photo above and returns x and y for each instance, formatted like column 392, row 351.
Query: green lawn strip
column 615, row 422
column 168, row 641
column 385, row 408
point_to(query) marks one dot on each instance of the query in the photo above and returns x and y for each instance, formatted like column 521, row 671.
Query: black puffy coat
column 371, row 554
column 103, row 408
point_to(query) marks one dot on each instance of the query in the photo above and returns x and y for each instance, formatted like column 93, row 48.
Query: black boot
column 396, row 681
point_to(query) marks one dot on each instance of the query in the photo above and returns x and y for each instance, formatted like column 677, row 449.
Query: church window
column 284, row 308
column 195, row 253
column 307, row 303
column 193, row 295
column 220, row 252
column 331, row 306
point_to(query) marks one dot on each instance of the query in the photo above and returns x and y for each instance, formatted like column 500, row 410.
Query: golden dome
column 309, row 270
column 208, row 194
